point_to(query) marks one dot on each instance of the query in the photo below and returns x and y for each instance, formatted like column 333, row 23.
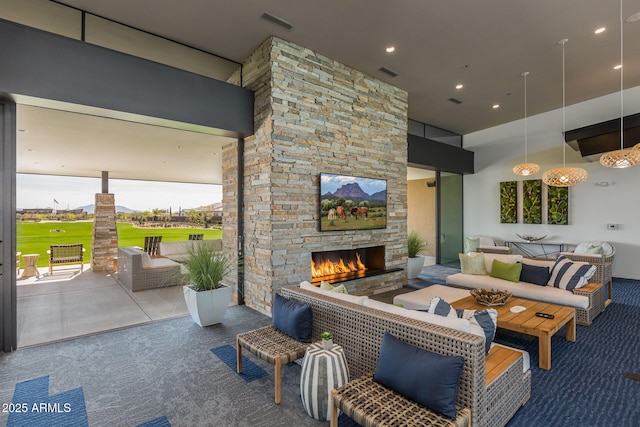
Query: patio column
column 104, row 243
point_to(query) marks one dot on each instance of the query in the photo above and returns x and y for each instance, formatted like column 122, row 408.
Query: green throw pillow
column 595, row 249
column 506, row 271
column 473, row 264
column 471, row 245
column 327, row 287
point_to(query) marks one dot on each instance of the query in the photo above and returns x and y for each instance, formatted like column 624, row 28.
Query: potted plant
column 207, row 298
column 415, row 245
column 327, row 340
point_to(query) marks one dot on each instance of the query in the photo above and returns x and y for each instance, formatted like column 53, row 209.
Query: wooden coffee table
column 528, row 323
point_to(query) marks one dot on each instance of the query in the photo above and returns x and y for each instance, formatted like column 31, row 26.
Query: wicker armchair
column 603, row 262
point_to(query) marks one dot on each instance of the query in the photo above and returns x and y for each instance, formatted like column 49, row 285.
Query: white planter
column 327, row 344
column 207, row 307
column 414, row 266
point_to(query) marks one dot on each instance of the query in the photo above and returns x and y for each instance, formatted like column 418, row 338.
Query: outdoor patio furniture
column 30, row 265
column 273, row 346
column 196, row 236
column 138, row 271
column 602, row 259
column 151, row 244
column 66, row 254
column 18, row 263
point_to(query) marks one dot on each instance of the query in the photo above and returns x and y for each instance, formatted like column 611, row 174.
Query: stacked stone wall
column 313, row 115
column 104, row 244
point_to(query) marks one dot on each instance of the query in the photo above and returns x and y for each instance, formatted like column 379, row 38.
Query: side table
column 322, row 371
column 30, row 265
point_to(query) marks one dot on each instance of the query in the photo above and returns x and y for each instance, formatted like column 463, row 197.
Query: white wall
column 591, row 207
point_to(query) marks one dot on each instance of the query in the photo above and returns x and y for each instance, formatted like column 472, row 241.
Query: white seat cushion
column 520, row 289
column 419, row 300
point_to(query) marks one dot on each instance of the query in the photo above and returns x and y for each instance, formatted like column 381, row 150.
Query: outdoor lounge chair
column 151, row 244
column 66, row 254
column 199, row 236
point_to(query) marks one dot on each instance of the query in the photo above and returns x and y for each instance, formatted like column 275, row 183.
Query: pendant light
column 564, row 176
column 525, row 169
column 622, row 158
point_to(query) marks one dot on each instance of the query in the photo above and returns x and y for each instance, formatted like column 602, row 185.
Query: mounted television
column 352, row 203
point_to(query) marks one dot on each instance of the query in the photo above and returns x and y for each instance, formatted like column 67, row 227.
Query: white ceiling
column 71, row 144
column 485, row 45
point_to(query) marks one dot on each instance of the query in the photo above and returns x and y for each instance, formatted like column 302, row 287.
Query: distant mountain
column 380, row 195
column 91, row 209
column 350, row 191
column 214, row 207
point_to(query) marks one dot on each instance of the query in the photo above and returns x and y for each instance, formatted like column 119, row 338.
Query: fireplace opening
column 342, row 265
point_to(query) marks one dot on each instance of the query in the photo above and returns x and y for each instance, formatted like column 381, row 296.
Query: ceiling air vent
column 455, row 101
column 388, row 72
column 275, row 20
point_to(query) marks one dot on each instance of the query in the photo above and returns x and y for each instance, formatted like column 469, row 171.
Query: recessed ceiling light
column 600, row 30
column 617, row 67
column 30, row 150
column 633, row 18
column 390, row 49
column 496, row 106
column 23, row 130
column 459, row 86
column 178, row 146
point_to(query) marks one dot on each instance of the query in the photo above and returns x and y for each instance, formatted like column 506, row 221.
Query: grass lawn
column 35, row 238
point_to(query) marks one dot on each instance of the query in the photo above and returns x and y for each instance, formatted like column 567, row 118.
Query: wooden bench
column 66, row 254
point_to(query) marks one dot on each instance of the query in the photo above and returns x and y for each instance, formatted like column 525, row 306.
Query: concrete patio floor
column 69, row 304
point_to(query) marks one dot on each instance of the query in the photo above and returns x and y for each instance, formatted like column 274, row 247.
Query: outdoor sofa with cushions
column 358, row 324
column 588, row 300
column 138, row 271
column 179, row 251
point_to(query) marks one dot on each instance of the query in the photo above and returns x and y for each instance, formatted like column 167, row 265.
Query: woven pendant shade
column 620, row 159
column 564, row 177
column 526, row 169
column 637, row 146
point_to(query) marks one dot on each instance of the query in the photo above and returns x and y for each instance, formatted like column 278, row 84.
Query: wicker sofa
column 589, row 300
column 138, row 271
column 492, row 395
column 179, row 251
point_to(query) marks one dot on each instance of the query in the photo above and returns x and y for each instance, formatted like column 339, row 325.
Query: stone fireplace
column 314, row 115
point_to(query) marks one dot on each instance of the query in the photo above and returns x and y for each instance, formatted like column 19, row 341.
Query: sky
column 330, row 183
column 39, row 191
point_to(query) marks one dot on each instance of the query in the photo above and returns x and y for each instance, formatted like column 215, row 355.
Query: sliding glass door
column 449, row 218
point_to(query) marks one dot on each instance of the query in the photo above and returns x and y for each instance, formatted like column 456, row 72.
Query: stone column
column 104, row 244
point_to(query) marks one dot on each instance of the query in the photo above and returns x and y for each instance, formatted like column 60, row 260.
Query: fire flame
column 327, row 268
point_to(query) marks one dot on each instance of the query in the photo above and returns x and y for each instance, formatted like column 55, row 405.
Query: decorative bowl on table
column 530, row 239
column 491, row 297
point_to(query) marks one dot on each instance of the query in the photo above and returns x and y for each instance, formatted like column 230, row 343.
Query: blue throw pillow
column 292, row 318
column 534, row 274
column 430, row 379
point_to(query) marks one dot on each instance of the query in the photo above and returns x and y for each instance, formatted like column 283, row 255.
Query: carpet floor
column 165, row 374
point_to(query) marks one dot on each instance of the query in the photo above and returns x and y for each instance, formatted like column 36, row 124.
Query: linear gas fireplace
column 342, row 265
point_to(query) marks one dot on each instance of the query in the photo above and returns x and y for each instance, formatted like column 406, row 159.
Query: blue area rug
column 250, row 371
column 432, row 275
column 33, row 407
column 158, row 422
column 589, row 372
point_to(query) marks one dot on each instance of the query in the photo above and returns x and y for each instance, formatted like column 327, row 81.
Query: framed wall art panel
column 509, row 202
column 532, row 201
